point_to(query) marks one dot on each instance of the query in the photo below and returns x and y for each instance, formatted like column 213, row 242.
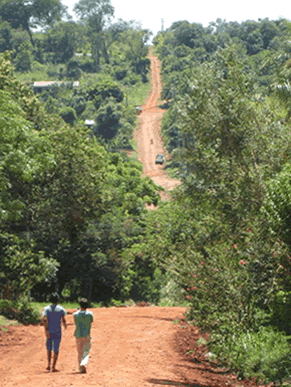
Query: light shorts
column 53, row 342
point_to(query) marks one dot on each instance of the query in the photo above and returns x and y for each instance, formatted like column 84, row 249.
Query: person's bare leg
column 55, row 358
column 79, row 351
column 49, row 357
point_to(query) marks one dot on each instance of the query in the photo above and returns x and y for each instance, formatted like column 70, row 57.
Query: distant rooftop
column 89, row 122
column 81, row 54
column 57, row 83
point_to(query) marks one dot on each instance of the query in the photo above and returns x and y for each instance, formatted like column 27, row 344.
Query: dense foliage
column 226, row 237
column 105, row 57
column 68, row 208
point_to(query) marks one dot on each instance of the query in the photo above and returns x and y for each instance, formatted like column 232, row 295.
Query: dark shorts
column 53, row 343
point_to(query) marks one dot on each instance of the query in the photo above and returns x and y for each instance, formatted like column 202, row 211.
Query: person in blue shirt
column 53, row 315
column 83, row 321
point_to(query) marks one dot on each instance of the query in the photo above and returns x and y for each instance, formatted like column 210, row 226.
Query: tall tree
column 111, row 35
column 96, row 14
column 61, row 41
column 30, row 14
column 5, row 36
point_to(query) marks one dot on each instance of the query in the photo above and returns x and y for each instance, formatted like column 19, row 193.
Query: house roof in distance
column 57, row 83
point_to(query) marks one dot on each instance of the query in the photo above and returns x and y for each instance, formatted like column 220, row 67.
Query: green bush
column 120, row 73
column 264, row 355
column 114, row 302
column 73, row 69
column 21, row 311
column 281, row 310
column 131, row 79
column 87, row 66
column 23, row 60
column 36, row 66
column 172, row 294
column 68, row 114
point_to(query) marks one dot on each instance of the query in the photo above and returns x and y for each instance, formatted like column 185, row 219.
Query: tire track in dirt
column 149, row 127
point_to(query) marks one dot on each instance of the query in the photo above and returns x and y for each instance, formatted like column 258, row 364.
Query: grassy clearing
column 30, row 77
column 40, row 72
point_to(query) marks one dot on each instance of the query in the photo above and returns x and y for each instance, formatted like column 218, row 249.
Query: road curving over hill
column 149, row 127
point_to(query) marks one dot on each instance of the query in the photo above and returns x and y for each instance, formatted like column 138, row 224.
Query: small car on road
column 160, row 159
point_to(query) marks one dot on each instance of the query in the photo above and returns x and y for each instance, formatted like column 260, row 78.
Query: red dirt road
column 131, row 347
column 150, row 128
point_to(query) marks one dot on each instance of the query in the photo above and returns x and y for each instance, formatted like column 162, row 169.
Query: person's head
column 84, row 303
column 54, row 298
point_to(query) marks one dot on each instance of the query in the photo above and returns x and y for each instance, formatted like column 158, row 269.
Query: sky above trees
column 151, row 12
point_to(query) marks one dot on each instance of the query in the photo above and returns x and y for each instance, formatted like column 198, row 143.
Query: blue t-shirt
column 54, row 314
column 83, row 320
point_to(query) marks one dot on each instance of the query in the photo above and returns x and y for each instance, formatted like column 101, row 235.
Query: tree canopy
column 69, row 203
column 31, row 14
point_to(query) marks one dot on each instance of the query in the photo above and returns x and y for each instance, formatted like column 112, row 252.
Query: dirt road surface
column 131, row 347
column 150, row 128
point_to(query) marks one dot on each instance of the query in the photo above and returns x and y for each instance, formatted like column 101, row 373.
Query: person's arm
column 44, row 323
column 64, row 322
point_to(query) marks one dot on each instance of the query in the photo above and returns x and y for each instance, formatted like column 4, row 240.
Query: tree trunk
column 105, row 53
column 26, row 28
column 96, row 54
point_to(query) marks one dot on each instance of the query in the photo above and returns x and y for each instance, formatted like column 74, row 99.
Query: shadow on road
column 165, row 382
column 211, row 367
column 155, row 318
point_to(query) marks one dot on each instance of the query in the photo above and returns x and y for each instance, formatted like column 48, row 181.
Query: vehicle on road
column 138, row 110
column 160, row 159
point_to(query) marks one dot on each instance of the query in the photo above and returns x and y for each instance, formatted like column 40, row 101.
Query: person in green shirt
column 83, row 321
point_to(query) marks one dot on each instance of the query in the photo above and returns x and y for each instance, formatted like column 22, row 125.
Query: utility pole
column 162, row 21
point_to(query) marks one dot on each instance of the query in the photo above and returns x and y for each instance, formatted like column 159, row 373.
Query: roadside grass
column 173, row 172
column 38, row 307
column 66, row 305
column 74, row 305
column 6, row 322
column 164, row 302
column 136, row 95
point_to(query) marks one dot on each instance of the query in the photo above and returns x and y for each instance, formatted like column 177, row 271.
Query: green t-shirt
column 83, row 320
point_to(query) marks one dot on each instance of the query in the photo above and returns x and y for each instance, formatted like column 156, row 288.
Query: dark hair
column 54, row 298
column 84, row 303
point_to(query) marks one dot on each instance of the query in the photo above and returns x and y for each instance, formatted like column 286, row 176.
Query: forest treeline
column 108, row 58
column 72, row 201
column 72, row 205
